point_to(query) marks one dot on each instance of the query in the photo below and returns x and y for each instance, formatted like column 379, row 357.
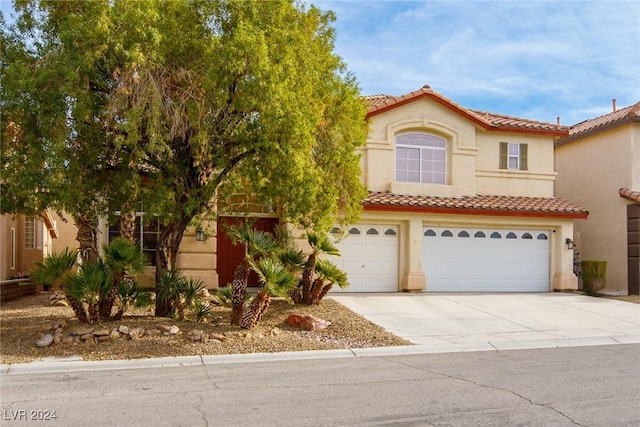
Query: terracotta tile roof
column 620, row 116
column 630, row 194
column 482, row 205
column 490, row 121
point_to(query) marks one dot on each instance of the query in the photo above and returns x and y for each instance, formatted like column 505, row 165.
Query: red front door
column 229, row 256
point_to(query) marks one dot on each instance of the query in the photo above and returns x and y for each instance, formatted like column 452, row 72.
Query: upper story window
column 513, row 156
column 30, row 232
column 421, row 157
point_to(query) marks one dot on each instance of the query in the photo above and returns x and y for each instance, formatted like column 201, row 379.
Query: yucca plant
column 168, row 290
column 123, row 260
column 328, row 275
column 257, row 243
column 275, row 280
column 188, row 295
column 202, row 310
column 89, row 286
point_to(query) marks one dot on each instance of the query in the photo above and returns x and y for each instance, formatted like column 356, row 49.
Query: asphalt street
column 584, row 386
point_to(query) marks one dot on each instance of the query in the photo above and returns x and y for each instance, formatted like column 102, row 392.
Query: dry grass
column 24, row 321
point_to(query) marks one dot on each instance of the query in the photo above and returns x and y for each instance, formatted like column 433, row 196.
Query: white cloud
column 543, row 58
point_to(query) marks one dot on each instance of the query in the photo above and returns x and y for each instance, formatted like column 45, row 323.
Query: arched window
column 527, row 236
column 446, row 233
column 512, row 235
column 372, row 231
column 479, row 234
column 496, row 235
column 390, row 232
column 430, row 233
column 463, row 234
column 354, row 231
column 421, row 157
column 542, row 236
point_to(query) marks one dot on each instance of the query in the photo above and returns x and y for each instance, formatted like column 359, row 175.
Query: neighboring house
column 460, row 200
column 598, row 166
column 25, row 241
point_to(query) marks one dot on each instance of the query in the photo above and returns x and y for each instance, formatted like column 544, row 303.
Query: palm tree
column 55, row 270
column 328, row 275
column 89, row 285
column 123, row 260
column 276, row 281
column 257, row 244
column 320, row 244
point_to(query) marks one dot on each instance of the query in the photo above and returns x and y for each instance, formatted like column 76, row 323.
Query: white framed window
column 147, row 232
column 421, row 157
column 30, row 232
column 12, row 256
column 513, row 156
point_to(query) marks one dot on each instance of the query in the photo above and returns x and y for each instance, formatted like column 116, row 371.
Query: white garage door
column 485, row 260
column 369, row 256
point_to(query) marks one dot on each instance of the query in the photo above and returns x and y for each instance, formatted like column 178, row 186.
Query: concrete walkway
column 436, row 323
column 455, row 322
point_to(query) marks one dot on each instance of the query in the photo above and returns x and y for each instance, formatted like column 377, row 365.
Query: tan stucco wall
column 590, row 172
column 537, row 181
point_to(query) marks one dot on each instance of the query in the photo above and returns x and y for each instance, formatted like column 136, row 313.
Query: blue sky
column 530, row 59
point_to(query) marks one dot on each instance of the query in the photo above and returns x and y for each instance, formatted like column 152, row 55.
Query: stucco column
column 413, row 279
column 562, row 260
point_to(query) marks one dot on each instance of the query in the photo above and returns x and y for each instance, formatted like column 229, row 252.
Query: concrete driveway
column 464, row 322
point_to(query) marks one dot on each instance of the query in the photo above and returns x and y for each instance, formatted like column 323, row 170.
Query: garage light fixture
column 569, row 243
column 199, row 235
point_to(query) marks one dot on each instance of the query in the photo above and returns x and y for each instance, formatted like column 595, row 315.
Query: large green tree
column 180, row 104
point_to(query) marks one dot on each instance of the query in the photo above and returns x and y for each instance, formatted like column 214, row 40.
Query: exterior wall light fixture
column 199, row 235
column 569, row 243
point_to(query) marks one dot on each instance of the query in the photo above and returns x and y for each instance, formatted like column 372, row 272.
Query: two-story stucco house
column 459, row 200
column 598, row 166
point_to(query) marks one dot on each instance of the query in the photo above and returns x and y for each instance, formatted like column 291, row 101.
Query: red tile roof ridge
column 630, row 194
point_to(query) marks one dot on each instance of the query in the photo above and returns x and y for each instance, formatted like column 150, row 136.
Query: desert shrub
column 594, row 276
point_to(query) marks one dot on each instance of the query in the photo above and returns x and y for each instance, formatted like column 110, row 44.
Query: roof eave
column 467, row 211
column 597, row 129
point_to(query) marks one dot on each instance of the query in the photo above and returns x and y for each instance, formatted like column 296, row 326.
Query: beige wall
column 473, row 155
column 591, row 170
column 24, row 257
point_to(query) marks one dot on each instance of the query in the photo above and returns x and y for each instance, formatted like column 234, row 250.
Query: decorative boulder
column 45, row 341
column 308, row 322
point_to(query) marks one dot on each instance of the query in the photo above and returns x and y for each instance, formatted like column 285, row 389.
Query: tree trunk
column 316, row 289
column 87, row 238
column 239, row 291
column 78, row 309
column 257, row 308
column 307, row 276
column 324, row 292
column 166, row 255
column 128, row 226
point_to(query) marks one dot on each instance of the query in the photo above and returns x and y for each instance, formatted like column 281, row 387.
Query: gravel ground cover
column 24, row 321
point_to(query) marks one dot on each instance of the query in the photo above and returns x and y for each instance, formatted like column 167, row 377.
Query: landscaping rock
column 123, row 329
column 136, row 333
column 115, row 334
column 217, row 337
column 307, row 322
column 153, row 332
column 45, row 341
column 174, row 330
column 103, row 338
column 101, row 332
column 83, row 331
column 86, row 337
